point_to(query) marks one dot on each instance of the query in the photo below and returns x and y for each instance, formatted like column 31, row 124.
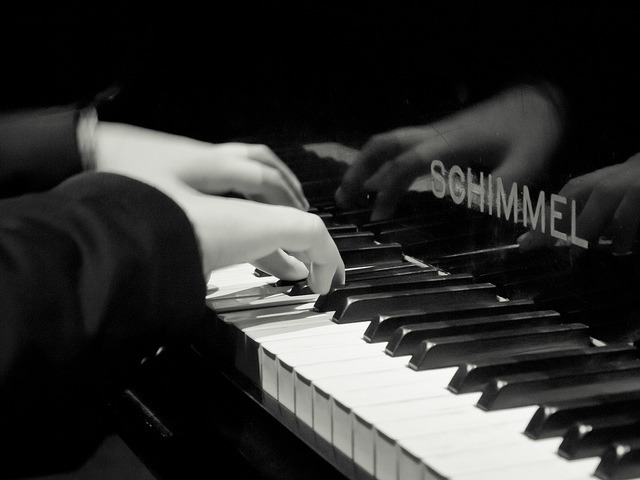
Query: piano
column 448, row 354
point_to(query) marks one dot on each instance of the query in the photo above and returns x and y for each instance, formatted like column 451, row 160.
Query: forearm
column 94, row 275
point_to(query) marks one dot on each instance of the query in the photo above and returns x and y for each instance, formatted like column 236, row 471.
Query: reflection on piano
column 447, row 354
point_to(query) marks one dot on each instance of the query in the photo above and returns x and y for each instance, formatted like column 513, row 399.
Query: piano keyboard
column 416, row 370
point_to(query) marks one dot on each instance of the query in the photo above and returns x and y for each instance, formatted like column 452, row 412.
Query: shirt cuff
column 86, row 136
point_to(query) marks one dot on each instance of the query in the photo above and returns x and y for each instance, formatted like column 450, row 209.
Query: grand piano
column 448, row 354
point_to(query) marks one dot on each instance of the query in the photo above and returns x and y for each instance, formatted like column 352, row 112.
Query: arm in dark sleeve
column 38, row 149
column 94, row 274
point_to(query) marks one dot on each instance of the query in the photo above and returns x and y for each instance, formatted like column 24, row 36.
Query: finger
column 276, row 190
column 256, row 181
column 326, row 268
column 311, row 243
column 283, row 266
column 626, row 221
column 266, row 156
column 325, row 276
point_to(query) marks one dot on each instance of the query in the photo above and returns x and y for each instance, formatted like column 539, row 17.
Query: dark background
column 340, row 71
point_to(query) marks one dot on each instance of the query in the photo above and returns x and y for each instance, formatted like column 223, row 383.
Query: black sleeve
column 94, row 275
column 38, row 149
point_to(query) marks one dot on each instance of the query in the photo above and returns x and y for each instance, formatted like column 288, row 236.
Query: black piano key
column 621, row 461
column 367, row 273
column 536, row 388
column 358, row 216
column 339, row 229
column 261, row 273
column 406, row 339
column 552, row 419
column 337, row 296
column 353, row 240
column 473, row 376
column 440, row 352
column 294, row 284
column 379, row 225
column 383, row 327
column 591, row 437
column 387, row 253
column 328, row 219
column 365, row 307
column 322, row 203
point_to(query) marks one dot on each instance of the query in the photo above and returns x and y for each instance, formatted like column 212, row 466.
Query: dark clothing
column 96, row 272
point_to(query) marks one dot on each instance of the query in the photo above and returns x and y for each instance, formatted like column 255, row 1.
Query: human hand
column 512, row 134
column 281, row 239
column 607, row 205
column 252, row 170
column 284, row 241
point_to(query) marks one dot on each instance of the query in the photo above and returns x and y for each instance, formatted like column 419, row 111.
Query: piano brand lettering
column 488, row 195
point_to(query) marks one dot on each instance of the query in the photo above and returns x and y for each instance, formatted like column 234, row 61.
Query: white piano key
column 303, row 376
column 388, row 435
column 253, row 326
column 439, row 452
column 280, row 369
column 239, row 274
column 478, row 451
column 547, row 470
column 323, row 325
column 245, row 291
column 429, row 384
column 232, row 304
column 364, row 433
column 268, row 316
column 485, row 462
column 387, row 439
column 269, row 352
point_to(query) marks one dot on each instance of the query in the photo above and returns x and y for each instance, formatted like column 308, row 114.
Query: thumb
column 283, row 266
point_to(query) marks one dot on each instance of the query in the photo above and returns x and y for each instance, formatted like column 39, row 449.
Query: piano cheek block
column 368, row 306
